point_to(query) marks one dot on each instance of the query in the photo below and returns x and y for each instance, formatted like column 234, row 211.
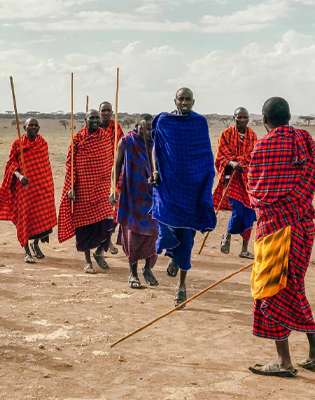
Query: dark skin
column 106, row 112
column 93, row 122
column 113, row 199
column 282, row 347
column 184, row 101
column 31, row 128
column 241, row 118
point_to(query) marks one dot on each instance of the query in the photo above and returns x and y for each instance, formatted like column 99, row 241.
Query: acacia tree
column 307, row 119
column 226, row 120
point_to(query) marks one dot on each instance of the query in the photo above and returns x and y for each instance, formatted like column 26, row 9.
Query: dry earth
column 56, row 323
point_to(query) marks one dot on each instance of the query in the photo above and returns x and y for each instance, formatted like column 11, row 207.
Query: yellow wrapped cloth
column 270, row 268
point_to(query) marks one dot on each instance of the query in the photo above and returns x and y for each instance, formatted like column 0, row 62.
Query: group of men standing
column 165, row 181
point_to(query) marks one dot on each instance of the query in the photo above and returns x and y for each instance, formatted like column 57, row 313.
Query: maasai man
column 138, row 231
column 91, row 221
column 108, row 124
column 233, row 155
column 281, row 181
column 183, row 175
column 28, row 201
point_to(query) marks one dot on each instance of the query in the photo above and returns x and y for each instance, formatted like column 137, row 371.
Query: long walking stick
column 144, row 128
column 181, row 305
column 116, row 132
column 72, row 134
column 218, row 209
column 18, row 126
column 87, row 104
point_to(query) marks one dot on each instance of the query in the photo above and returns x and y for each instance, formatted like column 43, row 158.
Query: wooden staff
column 144, row 128
column 116, row 133
column 87, row 104
column 72, row 134
column 181, row 305
column 18, row 126
column 218, row 209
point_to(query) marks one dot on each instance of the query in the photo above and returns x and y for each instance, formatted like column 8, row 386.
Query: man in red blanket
column 232, row 159
column 281, row 182
column 138, row 231
column 91, row 221
column 108, row 124
column 28, row 201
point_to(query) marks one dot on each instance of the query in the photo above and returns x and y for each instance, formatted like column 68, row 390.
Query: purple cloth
column 135, row 198
column 94, row 235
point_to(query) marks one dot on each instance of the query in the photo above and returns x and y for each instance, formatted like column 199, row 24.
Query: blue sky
column 230, row 53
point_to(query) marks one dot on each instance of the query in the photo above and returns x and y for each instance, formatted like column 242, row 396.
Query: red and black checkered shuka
column 92, row 162
column 32, row 208
column 231, row 148
column 281, row 183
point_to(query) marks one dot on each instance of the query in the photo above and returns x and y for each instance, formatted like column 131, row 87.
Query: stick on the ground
column 18, row 126
column 216, row 213
column 72, row 134
column 87, row 104
column 116, row 131
column 181, row 305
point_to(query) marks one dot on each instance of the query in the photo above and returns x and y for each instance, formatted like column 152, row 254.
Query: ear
column 24, row 127
column 193, row 102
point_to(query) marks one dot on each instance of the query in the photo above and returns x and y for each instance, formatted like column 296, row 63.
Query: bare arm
column 153, row 180
column 113, row 198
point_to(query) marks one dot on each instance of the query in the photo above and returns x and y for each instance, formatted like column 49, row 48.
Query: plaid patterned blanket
column 32, row 210
column 93, row 162
column 183, row 196
column 231, row 148
column 135, row 199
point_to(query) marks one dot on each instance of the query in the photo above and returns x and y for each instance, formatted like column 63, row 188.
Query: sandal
column 149, row 277
column 180, row 297
column 273, row 370
column 134, row 282
column 29, row 259
column 307, row 364
column 247, row 254
column 99, row 258
column 225, row 243
column 88, row 269
column 112, row 249
column 172, row 268
column 37, row 251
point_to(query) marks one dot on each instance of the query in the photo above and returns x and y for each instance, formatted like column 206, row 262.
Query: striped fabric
column 135, row 199
column 31, row 209
column 270, row 268
column 281, row 188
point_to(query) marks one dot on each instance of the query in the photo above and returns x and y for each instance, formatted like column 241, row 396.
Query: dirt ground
column 57, row 323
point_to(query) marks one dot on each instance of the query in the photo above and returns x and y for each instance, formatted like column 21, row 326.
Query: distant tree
column 307, row 119
column 64, row 123
column 13, row 122
column 9, row 112
column 226, row 120
column 127, row 122
column 33, row 112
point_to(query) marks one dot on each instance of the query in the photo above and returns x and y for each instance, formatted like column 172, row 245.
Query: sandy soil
column 56, row 323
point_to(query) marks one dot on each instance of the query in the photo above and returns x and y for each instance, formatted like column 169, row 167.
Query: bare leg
column 36, row 250
column 133, row 280
column 311, row 340
column 28, row 256
column 99, row 258
column 245, row 246
column 148, row 274
column 245, row 253
column 284, row 358
column 182, row 279
column 88, row 268
column 180, row 292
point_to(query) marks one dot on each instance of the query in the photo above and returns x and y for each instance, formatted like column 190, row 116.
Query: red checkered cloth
column 110, row 131
column 281, row 188
column 93, row 162
column 231, row 148
column 31, row 209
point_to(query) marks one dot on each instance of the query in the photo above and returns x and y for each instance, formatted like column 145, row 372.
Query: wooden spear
column 144, row 128
column 218, row 209
column 18, row 126
column 72, row 149
column 181, row 305
column 87, row 104
column 116, row 132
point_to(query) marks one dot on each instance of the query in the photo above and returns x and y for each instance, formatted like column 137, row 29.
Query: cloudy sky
column 230, row 53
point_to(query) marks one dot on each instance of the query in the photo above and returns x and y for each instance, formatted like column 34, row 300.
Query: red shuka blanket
column 110, row 131
column 92, row 163
column 31, row 209
column 230, row 148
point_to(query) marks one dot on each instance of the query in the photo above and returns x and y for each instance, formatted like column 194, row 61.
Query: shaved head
column 240, row 110
column 276, row 112
column 184, row 100
column 184, row 89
